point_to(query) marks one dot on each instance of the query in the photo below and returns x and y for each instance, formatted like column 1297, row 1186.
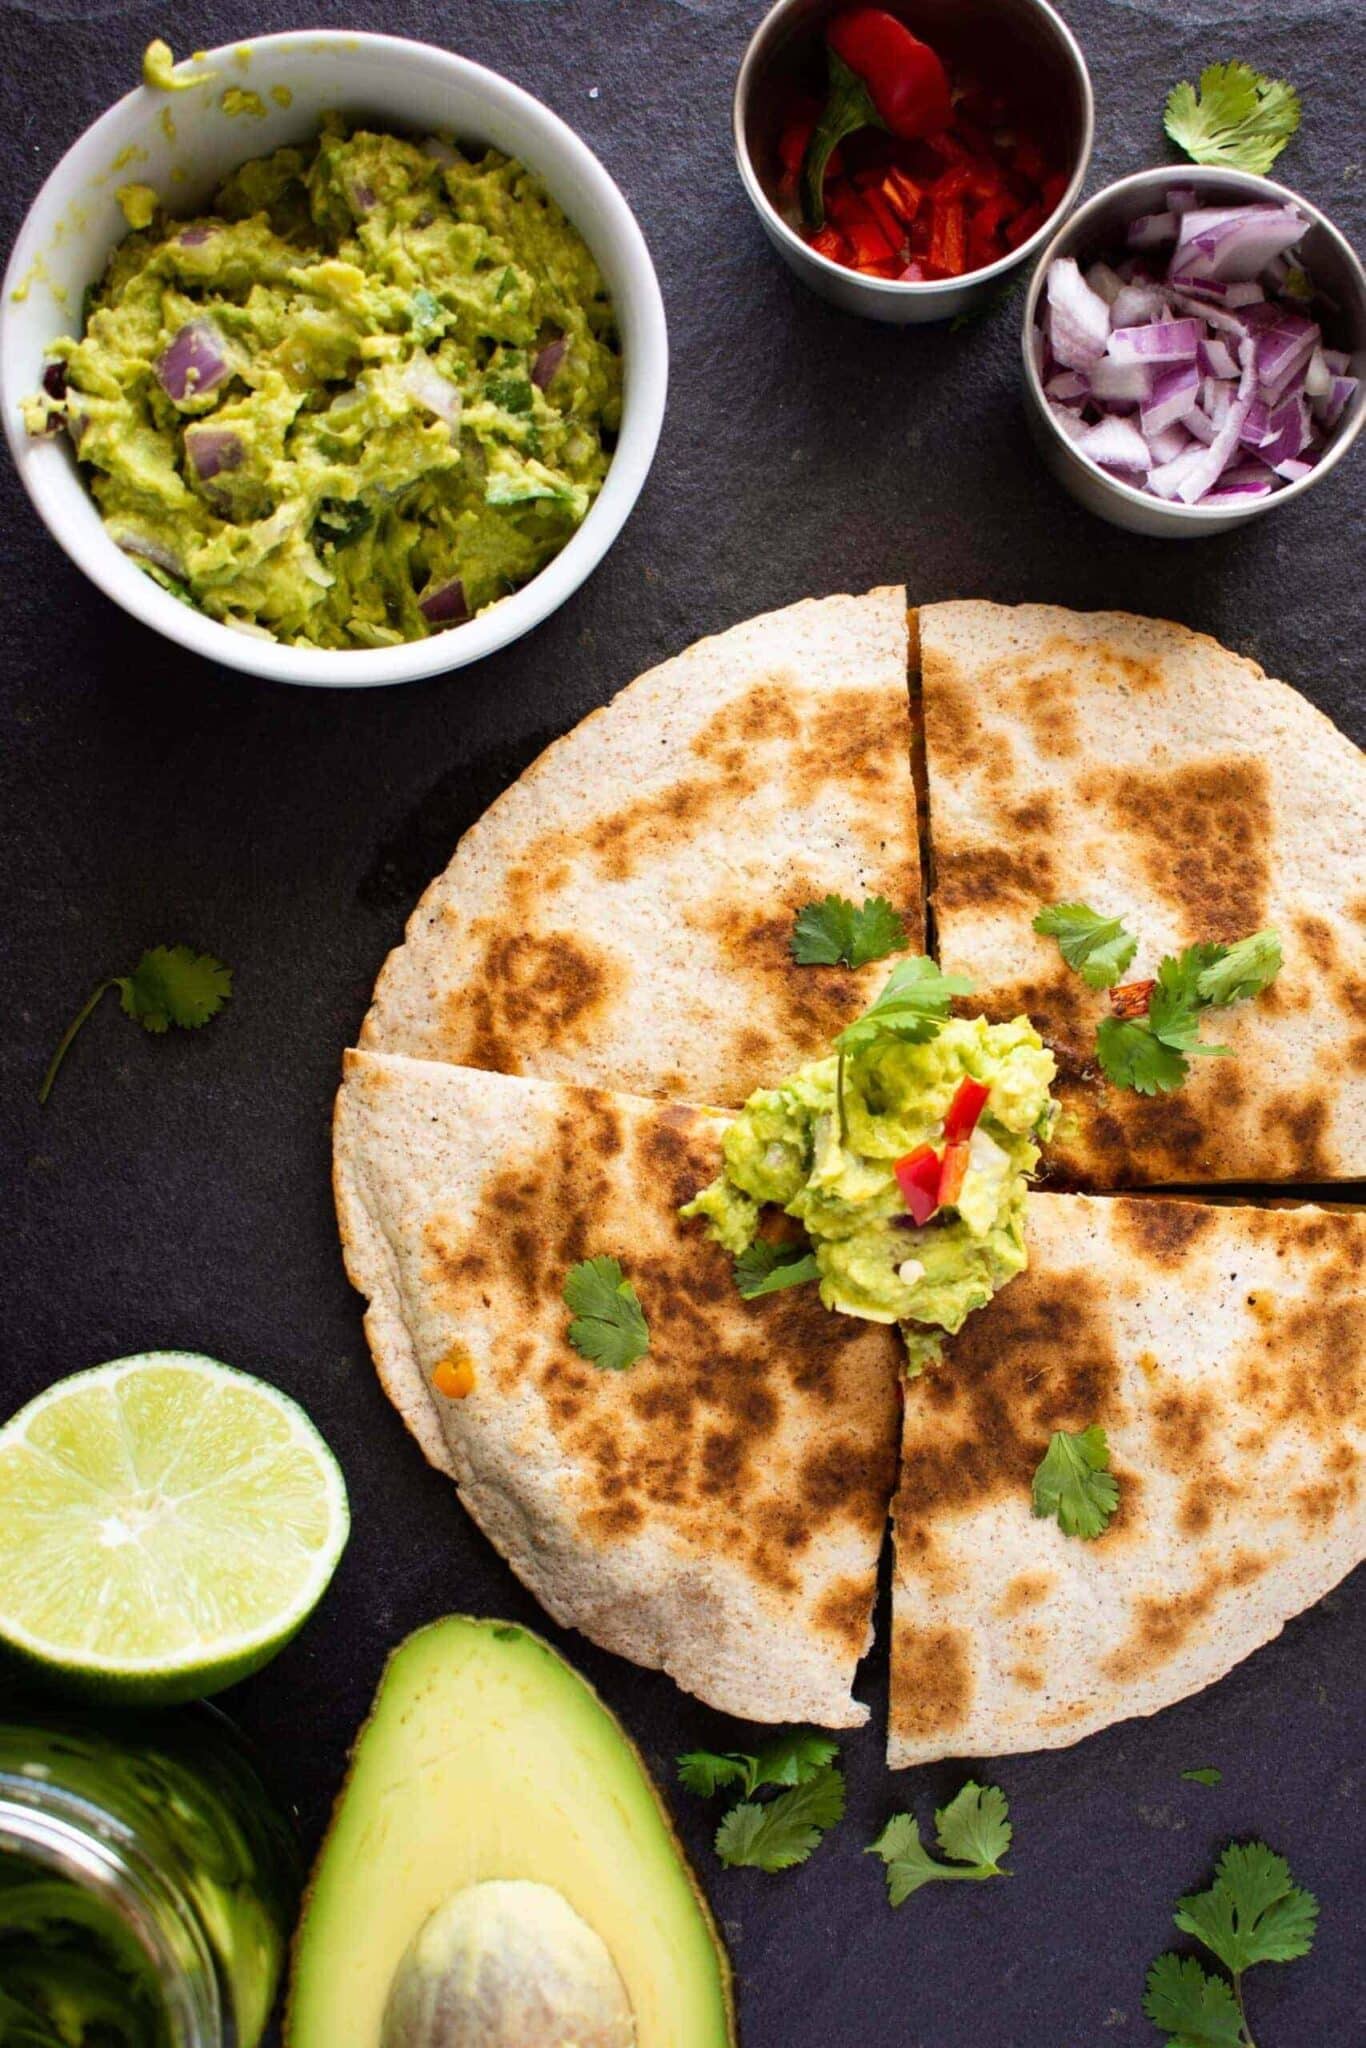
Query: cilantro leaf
column 173, row 985
column 787, row 1760
column 1242, row 970
column 1132, row 1057
column 783, row 1831
column 1098, row 947
column 763, row 1268
column 1075, row 1483
column 972, row 1829
column 1175, row 1004
column 1197, row 2011
column 169, row 985
column 1238, row 117
column 835, row 933
column 1254, row 1912
column 1206, row 1775
column 704, row 1772
column 913, row 1004
column 609, row 1326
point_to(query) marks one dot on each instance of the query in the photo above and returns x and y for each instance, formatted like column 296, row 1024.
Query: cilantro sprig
column 1237, row 117
column 1098, row 947
column 764, row 1268
column 1254, row 1912
column 1075, row 1483
column 913, row 1004
column 973, row 1830
column 169, row 985
column 1154, row 1033
column 773, row 1834
column 609, row 1326
column 838, row 933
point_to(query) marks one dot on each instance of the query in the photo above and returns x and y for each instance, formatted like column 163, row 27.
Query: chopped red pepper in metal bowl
column 910, row 170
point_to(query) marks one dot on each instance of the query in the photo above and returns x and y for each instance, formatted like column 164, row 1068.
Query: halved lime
column 166, row 1525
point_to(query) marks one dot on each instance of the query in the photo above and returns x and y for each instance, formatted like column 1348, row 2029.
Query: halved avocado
column 487, row 1756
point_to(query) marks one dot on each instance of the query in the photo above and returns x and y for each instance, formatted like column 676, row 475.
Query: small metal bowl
column 1028, row 41
column 1097, row 230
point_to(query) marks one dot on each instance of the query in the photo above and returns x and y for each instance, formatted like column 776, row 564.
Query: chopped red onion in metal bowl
column 1207, row 381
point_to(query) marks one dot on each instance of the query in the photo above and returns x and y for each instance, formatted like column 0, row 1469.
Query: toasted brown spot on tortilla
column 932, row 1681
column 1163, row 1623
column 1301, row 1121
column 988, row 873
column 1029, row 1676
column 843, row 1612
column 1044, row 697
column 1026, row 1590
column 763, row 713
column 548, row 986
column 1203, row 832
column 1163, row 1231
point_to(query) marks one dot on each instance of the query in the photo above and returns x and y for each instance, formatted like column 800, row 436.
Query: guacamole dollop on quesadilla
column 905, row 1162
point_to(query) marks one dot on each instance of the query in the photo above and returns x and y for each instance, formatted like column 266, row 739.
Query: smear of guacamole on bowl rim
column 785, row 1149
column 369, row 392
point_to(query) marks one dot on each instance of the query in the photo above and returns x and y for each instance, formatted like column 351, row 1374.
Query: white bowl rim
column 332, row 668
column 909, row 288
column 1194, row 516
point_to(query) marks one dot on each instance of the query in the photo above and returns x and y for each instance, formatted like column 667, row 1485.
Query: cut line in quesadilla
column 1140, row 768
column 718, row 1509
column 621, row 917
column 1223, row 1351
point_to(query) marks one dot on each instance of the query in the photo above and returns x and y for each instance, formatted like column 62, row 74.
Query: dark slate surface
column 176, row 1193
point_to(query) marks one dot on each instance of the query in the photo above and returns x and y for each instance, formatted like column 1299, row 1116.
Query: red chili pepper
column 792, row 143
column 908, row 83
column 829, row 242
column 902, row 194
column 917, row 1176
column 948, row 251
column 964, row 1110
column 953, row 1173
column 892, row 228
column 869, row 243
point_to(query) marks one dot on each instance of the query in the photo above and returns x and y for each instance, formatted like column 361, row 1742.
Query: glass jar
column 148, row 1882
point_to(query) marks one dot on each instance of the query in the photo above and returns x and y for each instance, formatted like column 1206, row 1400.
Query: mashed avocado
column 371, row 391
column 786, row 1148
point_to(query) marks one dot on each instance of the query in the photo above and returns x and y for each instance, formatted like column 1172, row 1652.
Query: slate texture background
column 176, row 1193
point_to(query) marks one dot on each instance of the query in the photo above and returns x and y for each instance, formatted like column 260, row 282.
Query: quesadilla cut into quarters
column 621, row 916
column 1145, row 771
column 1222, row 1348
column 715, row 1509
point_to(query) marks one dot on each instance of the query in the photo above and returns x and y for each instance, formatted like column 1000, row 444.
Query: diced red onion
column 1243, row 480
column 548, row 361
column 1078, row 318
column 1232, row 297
column 1120, row 383
column 1162, row 341
column 1150, row 230
column 438, row 149
column 1174, row 392
column 193, row 364
column 1138, row 302
column 445, row 604
column 1199, row 425
column 1068, row 386
column 1329, row 410
column 1181, row 198
column 1167, row 443
column 1318, row 378
column 1216, row 358
column 1068, row 419
column 1115, row 443
column 1235, row 243
column 1106, row 283
column 1285, row 435
column 213, row 449
column 194, row 236
column 1256, row 425
column 424, row 382
column 154, row 551
column 54, row 380
column 1338, row 361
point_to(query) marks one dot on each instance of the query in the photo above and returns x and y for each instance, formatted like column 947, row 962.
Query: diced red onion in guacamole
column 424, row 382
column 212, row 449
column 1209, row 382
column 445, row 605
column 548, row 361
column 193, row 364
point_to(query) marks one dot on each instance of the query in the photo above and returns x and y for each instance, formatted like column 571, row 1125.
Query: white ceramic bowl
column 182, row 144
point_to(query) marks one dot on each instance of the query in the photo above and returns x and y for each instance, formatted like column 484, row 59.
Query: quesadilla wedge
column 621, row 916
column 1143, row 770
column 717, row 1508
column 1223, row 1351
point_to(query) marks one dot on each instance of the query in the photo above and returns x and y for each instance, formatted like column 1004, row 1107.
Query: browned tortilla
column 1143, row 769
column 621, row 916
column 718, row 1509
column 1223, row 1349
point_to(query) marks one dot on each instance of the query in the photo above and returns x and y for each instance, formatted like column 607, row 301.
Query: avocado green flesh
column 378, row 435
column 786, row 1148
column 486, row 1756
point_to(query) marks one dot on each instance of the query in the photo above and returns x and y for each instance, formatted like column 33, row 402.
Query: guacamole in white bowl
column 370, row 391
